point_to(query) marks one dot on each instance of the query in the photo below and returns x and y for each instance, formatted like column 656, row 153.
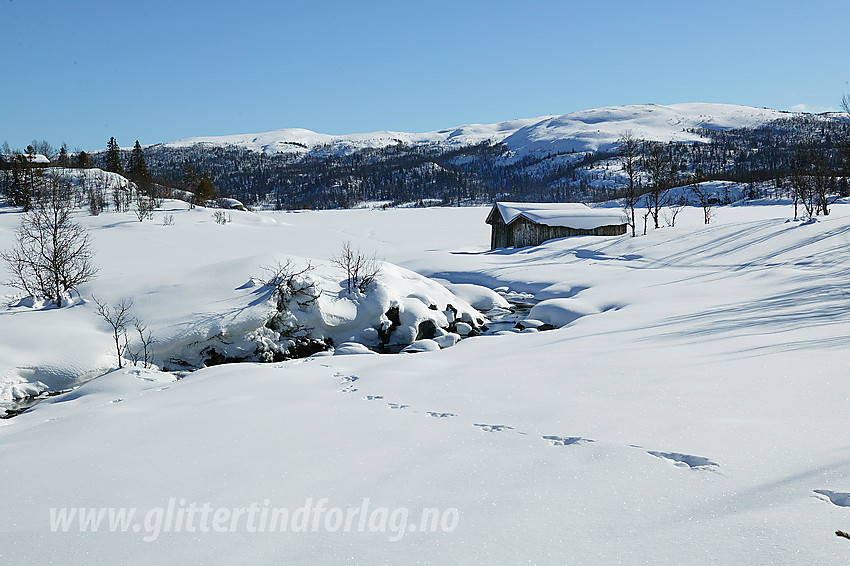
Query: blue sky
column 155, row 71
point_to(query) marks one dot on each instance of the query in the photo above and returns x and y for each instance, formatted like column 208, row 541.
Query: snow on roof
column 35, row 158
column 566, row 214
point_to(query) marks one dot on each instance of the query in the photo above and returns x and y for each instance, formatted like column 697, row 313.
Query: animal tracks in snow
column 686, row 460
column 493, row 427
column 676, row 458
column 347, row 381
column 839, row 498
column 566, row 440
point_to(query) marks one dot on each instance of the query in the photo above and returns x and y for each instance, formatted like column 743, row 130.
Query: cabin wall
column 499, row 235
column 523, row 233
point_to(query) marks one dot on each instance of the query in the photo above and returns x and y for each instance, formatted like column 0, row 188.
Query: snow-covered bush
column 360, row 270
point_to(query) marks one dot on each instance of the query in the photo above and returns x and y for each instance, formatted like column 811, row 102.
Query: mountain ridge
column 592, row 130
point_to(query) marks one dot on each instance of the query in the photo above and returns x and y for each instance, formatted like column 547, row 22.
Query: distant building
column 7, row 159
column 520, row 224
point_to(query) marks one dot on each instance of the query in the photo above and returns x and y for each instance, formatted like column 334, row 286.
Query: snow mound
column 560, row 312
column 481, row 298
column 426, row 345
column 349, row 348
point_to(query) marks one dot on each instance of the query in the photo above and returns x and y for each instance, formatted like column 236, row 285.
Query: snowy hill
column 588, row 130
column 561, row 158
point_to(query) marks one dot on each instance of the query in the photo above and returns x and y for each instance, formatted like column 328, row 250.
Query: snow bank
column 480, row 297
column 559, row 312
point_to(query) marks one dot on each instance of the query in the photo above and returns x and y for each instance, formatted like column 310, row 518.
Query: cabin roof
column 566, row 214
column 35, row 158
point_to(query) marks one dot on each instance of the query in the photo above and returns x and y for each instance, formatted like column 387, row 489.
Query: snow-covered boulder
column 447, row 340
column 463, row 328
column 531, row 323
column 399, row 308
column 559, row 312
column 426, row 345
column 482, row 298
column 349, row 348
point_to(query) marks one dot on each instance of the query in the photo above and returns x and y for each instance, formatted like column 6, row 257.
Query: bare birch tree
column 360, row 271
column 52, row 254
column 657, row 164
column 630, row 159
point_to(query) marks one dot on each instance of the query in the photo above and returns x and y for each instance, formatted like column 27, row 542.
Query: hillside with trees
column 487, row 171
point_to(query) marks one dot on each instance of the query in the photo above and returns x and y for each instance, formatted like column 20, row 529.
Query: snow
column 694, row 416
column 559, row 312
column 587, row 130
column 37, row 158
column 349, row 348
column 478, row 296
column 599, row 129
column 424, row 345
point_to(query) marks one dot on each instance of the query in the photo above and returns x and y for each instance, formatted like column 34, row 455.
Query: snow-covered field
column 693, row 413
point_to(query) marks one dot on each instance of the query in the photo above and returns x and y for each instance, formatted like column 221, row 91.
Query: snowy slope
column 588, row 130
column 693, row 414
column 301, row 140
column 599, row 129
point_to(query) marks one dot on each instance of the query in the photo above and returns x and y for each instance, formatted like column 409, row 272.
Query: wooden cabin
column 33, row 159
column 520, row 224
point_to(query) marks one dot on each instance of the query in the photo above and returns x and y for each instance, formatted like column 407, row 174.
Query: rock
column 447, row 340
column 426, row 329
column 463, row 328
column 450, row 312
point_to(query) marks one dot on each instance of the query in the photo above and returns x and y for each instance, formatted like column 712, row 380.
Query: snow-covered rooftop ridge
column 586, row 130
column 566, row 214
column 32, row 158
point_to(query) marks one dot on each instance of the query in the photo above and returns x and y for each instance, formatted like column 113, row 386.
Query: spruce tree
column 190, row 182
column 138, row 169
column 113, row 157
column 63, row 156
column 18, row 190
column 205, row 190
column 83, row 161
